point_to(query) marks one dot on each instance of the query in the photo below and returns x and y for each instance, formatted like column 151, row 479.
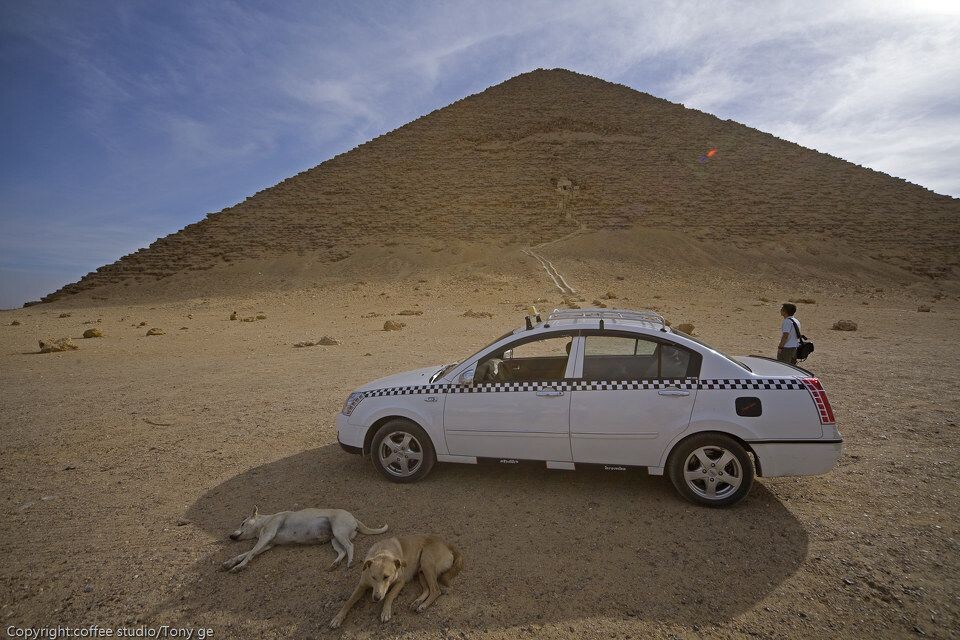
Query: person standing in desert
column 789, row 334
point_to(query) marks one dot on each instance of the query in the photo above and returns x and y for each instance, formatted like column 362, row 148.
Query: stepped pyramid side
column 533, row 158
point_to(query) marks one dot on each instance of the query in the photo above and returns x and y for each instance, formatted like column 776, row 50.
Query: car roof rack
column 641, row 315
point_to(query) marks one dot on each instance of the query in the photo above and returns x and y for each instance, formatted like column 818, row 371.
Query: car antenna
column 601, row 324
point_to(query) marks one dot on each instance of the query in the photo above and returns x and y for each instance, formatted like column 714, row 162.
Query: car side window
column 674, row 361
column 539, row 360
column 612, row 357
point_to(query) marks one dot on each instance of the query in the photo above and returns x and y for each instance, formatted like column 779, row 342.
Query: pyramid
column 548, row 151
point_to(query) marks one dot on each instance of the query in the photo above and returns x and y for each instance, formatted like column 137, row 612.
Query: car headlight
column 352, row 401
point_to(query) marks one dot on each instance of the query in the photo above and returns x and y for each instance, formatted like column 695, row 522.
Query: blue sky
column 124, row 121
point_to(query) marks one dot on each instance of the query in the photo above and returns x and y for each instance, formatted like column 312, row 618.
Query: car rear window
column 719, row 353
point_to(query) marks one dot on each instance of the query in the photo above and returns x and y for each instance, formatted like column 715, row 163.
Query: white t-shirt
column 793, row 339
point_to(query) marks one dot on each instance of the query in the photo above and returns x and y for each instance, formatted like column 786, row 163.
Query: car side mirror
column 466, row 378
column 507, row 354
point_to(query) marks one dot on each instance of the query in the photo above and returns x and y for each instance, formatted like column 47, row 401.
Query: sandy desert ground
column 127, row 462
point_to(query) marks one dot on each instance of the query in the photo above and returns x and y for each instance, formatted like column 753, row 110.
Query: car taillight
column 820, row 399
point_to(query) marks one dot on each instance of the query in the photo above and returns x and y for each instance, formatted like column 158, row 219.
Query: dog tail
column 362, row 528
column 454, row 569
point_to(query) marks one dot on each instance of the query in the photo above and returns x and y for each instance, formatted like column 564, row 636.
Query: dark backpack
column 804, row 348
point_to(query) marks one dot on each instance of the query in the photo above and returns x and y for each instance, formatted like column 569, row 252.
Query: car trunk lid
column 764, row 366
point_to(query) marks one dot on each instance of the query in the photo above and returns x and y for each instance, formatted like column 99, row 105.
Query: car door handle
column 673, row 392
column 549, row 393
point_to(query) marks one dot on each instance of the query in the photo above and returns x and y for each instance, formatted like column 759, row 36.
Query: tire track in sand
column 558, row 280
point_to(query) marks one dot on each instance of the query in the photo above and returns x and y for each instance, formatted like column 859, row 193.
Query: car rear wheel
column 402, row 451
column 711, row 469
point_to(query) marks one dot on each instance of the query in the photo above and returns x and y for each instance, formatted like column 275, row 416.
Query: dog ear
column 256, row 511
column 366, row 564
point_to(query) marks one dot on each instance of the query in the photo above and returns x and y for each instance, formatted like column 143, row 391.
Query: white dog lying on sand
column 308, row 526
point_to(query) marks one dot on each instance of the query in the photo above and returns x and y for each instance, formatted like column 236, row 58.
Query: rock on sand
column 54, row 346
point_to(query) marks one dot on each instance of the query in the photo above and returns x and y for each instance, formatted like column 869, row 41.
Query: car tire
column 693, row 469
column 402, row 451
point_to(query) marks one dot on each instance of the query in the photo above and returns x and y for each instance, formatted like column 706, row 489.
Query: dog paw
column 385, row 616
column 333, row 566
column 421, row 607
column 237, row 568
column 336, row 622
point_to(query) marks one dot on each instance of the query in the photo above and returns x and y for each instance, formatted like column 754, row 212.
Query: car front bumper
column 350, row 436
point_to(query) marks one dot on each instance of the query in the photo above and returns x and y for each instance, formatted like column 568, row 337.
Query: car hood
column 413, row 378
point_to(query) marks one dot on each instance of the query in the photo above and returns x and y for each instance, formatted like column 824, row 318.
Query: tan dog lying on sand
column 391, row 564
column 308, row 526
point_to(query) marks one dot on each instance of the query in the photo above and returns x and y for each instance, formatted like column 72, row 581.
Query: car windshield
column 444, row 371
column 448, row 368
column 714, row 349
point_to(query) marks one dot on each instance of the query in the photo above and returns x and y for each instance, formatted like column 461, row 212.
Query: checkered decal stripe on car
column 759, row 384
column 690, row 384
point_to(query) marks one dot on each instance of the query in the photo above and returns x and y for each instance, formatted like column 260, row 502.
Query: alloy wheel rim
column 401, row 454
column 713, row 473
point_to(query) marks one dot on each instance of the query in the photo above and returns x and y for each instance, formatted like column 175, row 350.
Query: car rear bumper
column 350, row 436
column 797, row 458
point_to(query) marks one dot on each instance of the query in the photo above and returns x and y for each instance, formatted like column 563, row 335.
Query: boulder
column 470, row 313
column 844, row 325
column 410, row 312
column 64, row 315
column 685, row 327
column 93, row 333
column 156, row 331
column 391, row 325
column 233, row 316
column 923, row 309
column 54, row 346
column 327, row 341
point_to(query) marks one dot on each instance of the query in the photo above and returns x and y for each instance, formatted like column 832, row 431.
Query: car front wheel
column 402, row 451
column 711, row 469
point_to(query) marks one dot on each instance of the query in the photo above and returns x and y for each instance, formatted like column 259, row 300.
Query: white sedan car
column 601, row 387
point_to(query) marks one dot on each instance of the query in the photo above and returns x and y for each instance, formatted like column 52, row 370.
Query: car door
column 634, row 393
column 522, row 410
